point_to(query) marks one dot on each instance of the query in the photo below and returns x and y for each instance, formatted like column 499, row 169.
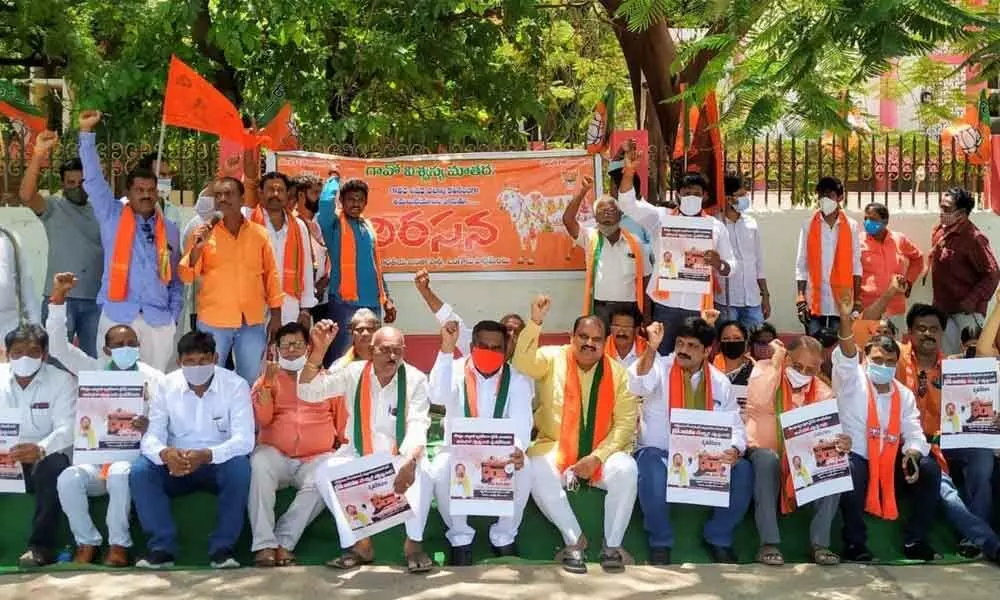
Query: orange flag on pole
column 281, row 133
column 192, row 103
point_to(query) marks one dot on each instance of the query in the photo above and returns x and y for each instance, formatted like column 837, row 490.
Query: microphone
column 215, row 218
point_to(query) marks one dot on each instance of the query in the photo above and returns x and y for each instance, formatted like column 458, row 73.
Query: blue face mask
column 742, row 203
column 873, row 227
column 881, row 374
column 125, row 357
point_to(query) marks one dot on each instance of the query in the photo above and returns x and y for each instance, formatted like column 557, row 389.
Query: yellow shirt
column 547, row 366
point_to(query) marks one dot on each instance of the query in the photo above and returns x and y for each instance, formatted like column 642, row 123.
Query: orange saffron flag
column 281, row 133
column 192, row 103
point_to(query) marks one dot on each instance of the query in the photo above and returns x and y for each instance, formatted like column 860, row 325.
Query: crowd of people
column 291, row 369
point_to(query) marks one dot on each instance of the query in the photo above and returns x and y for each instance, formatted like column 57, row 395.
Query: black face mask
column 733, row 350
column 75, row 195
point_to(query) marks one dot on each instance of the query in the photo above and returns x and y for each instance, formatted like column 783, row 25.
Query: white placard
column 108, row 401
column 11, row 474
column 818, row 469
column 481, row 470
column 969, row 396
column 696, row 473
column 364, row 490
column 681, row 265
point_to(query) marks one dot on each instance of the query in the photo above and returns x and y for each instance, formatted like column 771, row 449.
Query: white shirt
column 77, row 360
column 291, row 305
column 445, row 314
column 654, row 416
column 447, row 383
column 744, row 235
column 345, row 381
column 850, row 384
column 630, row 359
column 221, row 420
column 320, row 258
column 614, row 279
column 47, row 406
column 828, row 242
column 9, row 318
column 650, row 218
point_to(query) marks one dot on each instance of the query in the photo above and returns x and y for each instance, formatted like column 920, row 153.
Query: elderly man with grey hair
column 618, row 261
column 364, row 324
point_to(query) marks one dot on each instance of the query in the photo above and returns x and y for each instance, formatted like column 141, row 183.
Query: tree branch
column 225, row 75
column 34, row 60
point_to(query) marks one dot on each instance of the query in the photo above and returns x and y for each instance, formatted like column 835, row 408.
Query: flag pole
column 159, row 147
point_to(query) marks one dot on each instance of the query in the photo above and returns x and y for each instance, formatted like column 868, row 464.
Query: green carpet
column 538, row 539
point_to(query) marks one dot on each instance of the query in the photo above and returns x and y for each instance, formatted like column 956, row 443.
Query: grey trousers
column 767, row 495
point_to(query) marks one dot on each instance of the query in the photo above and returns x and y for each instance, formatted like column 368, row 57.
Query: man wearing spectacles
column 294, row 437
column 140, row 287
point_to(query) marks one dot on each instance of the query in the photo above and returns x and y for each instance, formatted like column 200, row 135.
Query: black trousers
column 40, row 481
column 924, row 496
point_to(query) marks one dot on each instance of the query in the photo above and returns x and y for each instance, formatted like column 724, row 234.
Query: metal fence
column 904, row 171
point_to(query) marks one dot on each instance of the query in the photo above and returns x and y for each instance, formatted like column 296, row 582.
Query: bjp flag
column 27, row 120
column 281, row 133
column 972, row 135
column 192, row 103
column 704, row 148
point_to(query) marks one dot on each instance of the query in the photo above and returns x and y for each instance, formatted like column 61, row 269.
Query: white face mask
column 797, row 379
column 292, row 365
column 828, row 206
column 690, row 205
column 205, row 206
column 25, row 366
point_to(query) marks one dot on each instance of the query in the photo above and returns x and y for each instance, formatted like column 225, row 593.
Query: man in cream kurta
column 411, row 464
column 548, row 366
column 493, row 398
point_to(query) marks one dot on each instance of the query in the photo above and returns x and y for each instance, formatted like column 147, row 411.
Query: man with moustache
column 305, row 201
column 580, row 387
column 624, row 344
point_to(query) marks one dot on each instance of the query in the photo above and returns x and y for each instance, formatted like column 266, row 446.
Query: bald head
column 388, row 348
column 388, row 335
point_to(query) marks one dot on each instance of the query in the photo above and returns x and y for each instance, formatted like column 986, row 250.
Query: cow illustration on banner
column 464, row 213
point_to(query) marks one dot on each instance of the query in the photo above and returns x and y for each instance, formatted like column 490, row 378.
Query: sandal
column 265, row 558
column 824, row 557
column 350, row 559
column 284, row 557
column 418, row 562
column 770, row 555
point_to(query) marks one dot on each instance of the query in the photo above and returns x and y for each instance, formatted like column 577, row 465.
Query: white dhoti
column 459, row 533
column 77, row 484
column 620, row 481
column 271, row 471
column 418, row 496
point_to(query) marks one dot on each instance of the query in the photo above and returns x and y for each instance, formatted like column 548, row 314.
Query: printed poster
column 969, row 396
column 482, row 471
column 108, row 402
column 696, row 473
column 497, row 211
column 681, row 265
column 11, row 475
column 818, row 469
column 364, row 489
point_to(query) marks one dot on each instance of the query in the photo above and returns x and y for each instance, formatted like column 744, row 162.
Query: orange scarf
column 594, row 250
column 783, row 393
column 349, row 262
column 611, row 351
column 293, row 271
column 678, row 390
column 363, row 439
column 929, row 403
column 842, row 271
column 578, row 438
column 881, row 498
column 121, row 255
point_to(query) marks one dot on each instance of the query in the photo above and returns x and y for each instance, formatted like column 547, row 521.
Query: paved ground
column 801, row 582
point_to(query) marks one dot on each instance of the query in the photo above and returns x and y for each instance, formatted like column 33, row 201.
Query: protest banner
column 364, row 489
column 818, row 468
column 482, row 472
column 108, row 402
column 11, row 474
column 696, row 473
column 969, row 403
column 492, row 212
column 681, row 265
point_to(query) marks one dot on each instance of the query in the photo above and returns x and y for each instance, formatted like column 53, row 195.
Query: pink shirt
column 296, row 428
column 761, row 418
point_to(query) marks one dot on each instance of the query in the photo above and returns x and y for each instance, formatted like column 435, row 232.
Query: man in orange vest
column 827, row 264
column 887, row 443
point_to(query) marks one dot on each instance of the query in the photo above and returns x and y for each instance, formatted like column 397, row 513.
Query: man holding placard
column 481, row 387
column 586, row 427
column 44, row 398
column 786, row 381
column 686, row 380
column 84, row 479
column 880, row 414
column 388, row 413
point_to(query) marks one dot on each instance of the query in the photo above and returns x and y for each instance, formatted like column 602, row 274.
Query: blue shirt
column 158, row 304
column 364, row 240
